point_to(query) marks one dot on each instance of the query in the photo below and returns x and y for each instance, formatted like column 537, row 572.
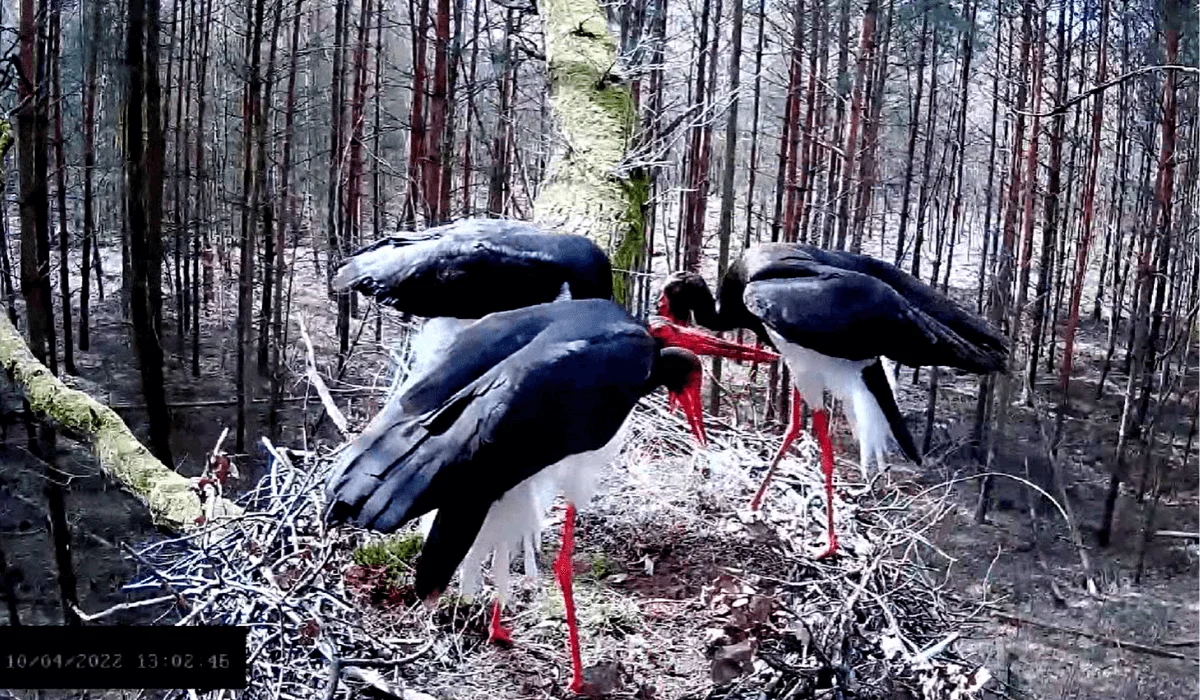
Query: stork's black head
column 679, row 371
column 682, row 295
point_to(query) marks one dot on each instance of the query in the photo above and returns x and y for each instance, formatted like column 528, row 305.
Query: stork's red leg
column 821, row 428
column 497, row 634
column 792, row 433
column 564, row 569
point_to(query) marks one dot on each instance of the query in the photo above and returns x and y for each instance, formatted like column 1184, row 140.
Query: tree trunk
column 926, row 161
column 250, row 203
column 866, row 53
column 467, row 208
column 725, row 227
column 138, row 168
column 270, row 256
column 867, row 173
column 754, row 121
column 285, row 221
column 34, row 203
column 155, row 154
column 960, row 142
column 1164, row 192
column 697, row 171
column 913, row 121
column 435, row 136
column 1050, row 227
column 60, row 187
column 791, row 207
column 987, row 207
column 1000, row 305
column 201, row 189
column 1085, row 233
column 580, row 193
column 418, row 201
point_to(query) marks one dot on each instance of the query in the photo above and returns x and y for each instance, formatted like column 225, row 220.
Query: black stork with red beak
column 458, row 272
column 527, row 404
column 832, row 315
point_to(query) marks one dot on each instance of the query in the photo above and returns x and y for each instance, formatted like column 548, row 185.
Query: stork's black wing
column 851, row 315
column 785, row 260
column 474, row 267
column 565, row 392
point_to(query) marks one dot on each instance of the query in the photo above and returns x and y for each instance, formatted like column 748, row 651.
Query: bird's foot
column 497, row 634
column 830, row 550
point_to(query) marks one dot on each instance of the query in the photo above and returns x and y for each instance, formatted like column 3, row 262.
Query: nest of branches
column 682, row 593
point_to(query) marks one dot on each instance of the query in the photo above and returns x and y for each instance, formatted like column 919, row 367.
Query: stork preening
column 456, row 273
column 832, row 316
column 527, row 404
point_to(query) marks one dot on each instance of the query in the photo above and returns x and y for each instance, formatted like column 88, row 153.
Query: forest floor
column 653, row 617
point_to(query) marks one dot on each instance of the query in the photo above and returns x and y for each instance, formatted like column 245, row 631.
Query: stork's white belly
column 428, row 345
column 814, row 373
column 516, row 520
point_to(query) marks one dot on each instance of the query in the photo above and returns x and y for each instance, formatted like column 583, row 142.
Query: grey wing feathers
column 846, row 314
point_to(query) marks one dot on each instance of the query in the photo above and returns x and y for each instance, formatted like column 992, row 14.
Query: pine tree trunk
column 139, row 166
column 155, row 159
column 1050, row 227
column 60, row 187
column 417, row 201
column 725, row 227
column 960, row 143
column 866, row 52
column 752, row 174
column 467, row 186
column 1000, row 304
column 435, row 136
column 926, row 161
column 1085, row 233
column 250, row 204
column 201, row 200
column 34, row 202
column 693, row 230
column 270, row 255
column 286, row 216
column 987, row 207
column 1164, row 192
column 914, row 119
column 867, row 173
column 791, row 207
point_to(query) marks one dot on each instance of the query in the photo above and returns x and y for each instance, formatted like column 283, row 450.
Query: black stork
column 456, row 273
column 527, row 404
column 832, row 316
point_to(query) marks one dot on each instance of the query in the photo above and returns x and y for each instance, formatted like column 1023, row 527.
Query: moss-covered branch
column 169, row 496
column 585, row 193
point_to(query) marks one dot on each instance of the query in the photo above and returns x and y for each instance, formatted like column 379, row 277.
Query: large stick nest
column 681, row 592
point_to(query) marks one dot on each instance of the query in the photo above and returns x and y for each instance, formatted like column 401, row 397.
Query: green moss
column 126, row 461
column 603, row 566
column 629, row 252
column 585, row 192
column 394, row 553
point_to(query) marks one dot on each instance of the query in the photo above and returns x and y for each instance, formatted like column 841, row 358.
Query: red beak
column 664, row 307
column 689, row 398
column 702, row 343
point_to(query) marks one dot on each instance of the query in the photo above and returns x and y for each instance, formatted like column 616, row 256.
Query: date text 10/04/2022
column 124, row 658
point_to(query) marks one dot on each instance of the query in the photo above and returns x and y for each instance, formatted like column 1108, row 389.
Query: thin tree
column 60, row 187
column 137, row 172
column 725, row 227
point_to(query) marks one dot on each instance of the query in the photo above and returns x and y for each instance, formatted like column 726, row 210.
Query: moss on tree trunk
column 168, row 495
column 586, row 191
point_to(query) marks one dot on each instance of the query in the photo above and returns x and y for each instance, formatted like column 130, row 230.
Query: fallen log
column 169, row 495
